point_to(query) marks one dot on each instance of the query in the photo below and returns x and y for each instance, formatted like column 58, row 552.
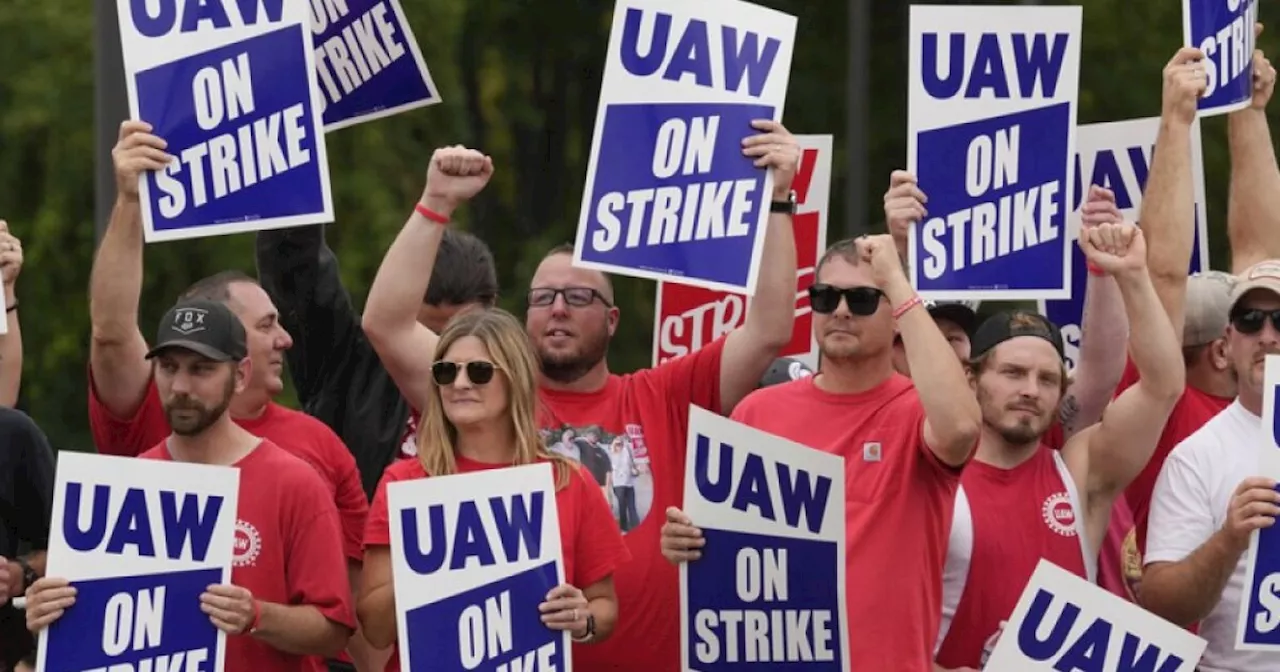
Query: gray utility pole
column 110, row 107
column 859, row 117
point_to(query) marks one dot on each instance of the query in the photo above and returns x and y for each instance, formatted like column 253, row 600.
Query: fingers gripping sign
column 904, row 206
column 1185, row 83
column 1264, row 74
column 566, row 608
column 10, row 255
column 137, row 150
column 231, row 609
column 47, row 599
column 775, row 148
column 681, row 541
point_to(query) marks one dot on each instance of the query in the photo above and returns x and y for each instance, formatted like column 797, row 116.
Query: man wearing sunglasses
column 1208, row 499
column 903, row 445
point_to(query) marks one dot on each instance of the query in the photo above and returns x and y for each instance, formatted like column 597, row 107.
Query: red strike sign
column 687, row 318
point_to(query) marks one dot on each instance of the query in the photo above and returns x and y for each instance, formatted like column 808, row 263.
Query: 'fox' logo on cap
column 187, row 321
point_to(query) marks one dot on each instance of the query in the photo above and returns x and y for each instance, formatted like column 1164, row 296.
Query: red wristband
column 430, row 214
column 257, row 619
column 1094, row 269
column 902, row 310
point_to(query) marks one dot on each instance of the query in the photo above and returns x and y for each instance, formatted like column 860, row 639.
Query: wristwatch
column 29, row 575
column 591, row 630
column 787, row 207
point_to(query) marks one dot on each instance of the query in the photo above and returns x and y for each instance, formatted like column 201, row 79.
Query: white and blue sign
column 367, row 62
column 472, row 557
column 1223, row 30
column 768, row 592
column 1117, row 155
column 669, row 194
column 140, row 540
column 230, row 85
column 1063, row 622
column 991, row 139
column 1259, row 626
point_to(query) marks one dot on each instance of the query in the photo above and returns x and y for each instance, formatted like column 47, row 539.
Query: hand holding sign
column 10, row 259
column 135, row 151
column 456, row 175
column 776, row 148
column 47, row 599
column 231, row 609
column 1116, row 248
column 1264, row 75
column 1184, row 84
column 903, row 206
column 680, row 539
column 566, row 608
column 1253, row 507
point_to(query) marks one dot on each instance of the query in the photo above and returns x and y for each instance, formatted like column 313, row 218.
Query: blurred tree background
column 520, row 81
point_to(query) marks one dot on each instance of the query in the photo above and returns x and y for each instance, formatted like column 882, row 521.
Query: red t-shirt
column 900, row 501
column 650, row 409
column 287, row 550
column 591, row 545
column 297, row 433
column 1194, row 408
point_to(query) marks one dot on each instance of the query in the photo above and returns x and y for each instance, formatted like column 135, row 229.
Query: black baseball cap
column 962, row 313
column 784, row 370
column 1011, row 324
column 207, row 328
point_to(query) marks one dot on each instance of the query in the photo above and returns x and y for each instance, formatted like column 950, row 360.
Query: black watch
column 591, row 630
column 29, row 575
column 787, row 207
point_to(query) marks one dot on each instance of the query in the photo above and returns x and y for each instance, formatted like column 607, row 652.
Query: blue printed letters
column 186, row 526
column 752, row 487
column 1102, row 646
column 741, row 57
column 1037, row 61
column 188, row 15
column 1223, row 30
column 519, row 527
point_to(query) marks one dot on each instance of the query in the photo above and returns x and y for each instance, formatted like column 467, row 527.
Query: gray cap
column 1208, row 307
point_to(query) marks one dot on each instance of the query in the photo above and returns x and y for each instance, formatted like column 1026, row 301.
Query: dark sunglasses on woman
column 478, row 372
column 825, row 299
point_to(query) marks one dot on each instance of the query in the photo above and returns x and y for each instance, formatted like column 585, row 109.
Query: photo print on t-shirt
column 618, row 462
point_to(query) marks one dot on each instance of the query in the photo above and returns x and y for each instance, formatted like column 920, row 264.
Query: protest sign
column 769, row 588
column 140, row 540
column 990, row 135
column 1063, row 622
column 479, row 550
column 1117, row 155
column 669, row 194
column 1259, row 627
column 231, row 87
column 367, row 62
column 1223, row 30
column 687, row 318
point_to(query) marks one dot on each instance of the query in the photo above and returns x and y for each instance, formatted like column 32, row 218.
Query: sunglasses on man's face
column 478, row 372
column 824, row 299
column 1249, row 321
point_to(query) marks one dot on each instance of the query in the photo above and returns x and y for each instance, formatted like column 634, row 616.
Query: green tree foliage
column 520, row 81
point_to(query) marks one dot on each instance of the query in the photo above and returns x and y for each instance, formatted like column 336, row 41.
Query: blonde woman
column 481, row 414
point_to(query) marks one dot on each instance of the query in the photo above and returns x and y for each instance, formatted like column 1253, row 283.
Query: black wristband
column 787, row 207
column 29, row 575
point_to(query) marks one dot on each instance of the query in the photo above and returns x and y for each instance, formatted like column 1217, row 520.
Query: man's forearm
column 1156, row 349
column 115, row 281
column 1100, row 364
column 1184, row 592
column 300, row 630
column 1253, row 206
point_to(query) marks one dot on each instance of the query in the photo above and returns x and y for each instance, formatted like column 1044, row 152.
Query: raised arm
column 1253, row 207
column 750, row 350
column 406, row 347
column 11, row 341
column 300, row 274
column 117, row 352
column 1168, row 202
column 1103, row 325
column 952, row 415
column 1118, row 448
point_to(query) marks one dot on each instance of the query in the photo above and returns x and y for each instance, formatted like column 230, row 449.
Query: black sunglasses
column 825, row 299
column 478, row 372
column 1249, row 321
column 578, row 297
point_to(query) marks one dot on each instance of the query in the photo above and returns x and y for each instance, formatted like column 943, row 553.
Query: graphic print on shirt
column 248, row 545
column 409, row 440
column 1131, row 563
column 1059, row 515
column 618, row 462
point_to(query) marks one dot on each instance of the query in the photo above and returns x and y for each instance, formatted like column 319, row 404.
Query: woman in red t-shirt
column 480, row 415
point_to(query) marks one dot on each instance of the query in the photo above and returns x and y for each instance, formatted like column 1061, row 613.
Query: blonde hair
column 510, row 352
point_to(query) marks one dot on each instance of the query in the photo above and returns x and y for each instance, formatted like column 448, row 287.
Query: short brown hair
column 464, row 272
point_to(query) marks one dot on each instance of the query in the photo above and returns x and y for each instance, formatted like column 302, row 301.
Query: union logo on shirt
column 1059, row 515
column 248, row 545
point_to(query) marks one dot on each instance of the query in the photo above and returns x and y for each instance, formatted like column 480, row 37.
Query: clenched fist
column 456, row 174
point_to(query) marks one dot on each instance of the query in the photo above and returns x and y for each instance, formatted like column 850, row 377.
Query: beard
column 567, row 367
column 194, row 424
column 1024, row 431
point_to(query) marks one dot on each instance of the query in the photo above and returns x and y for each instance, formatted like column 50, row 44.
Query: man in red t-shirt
column 570, row 321
column 125, row 411
column 288, row 597
column 903, row 446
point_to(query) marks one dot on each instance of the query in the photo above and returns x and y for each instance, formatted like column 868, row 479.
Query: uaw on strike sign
column 990, row 137
column 689, row 317
column 1117, row 155
column 1259, row 625
column 230, row 85
column 768, row 592
column 472, row 557
column 1223, row 30
column 669, row 193
column 140, row 540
